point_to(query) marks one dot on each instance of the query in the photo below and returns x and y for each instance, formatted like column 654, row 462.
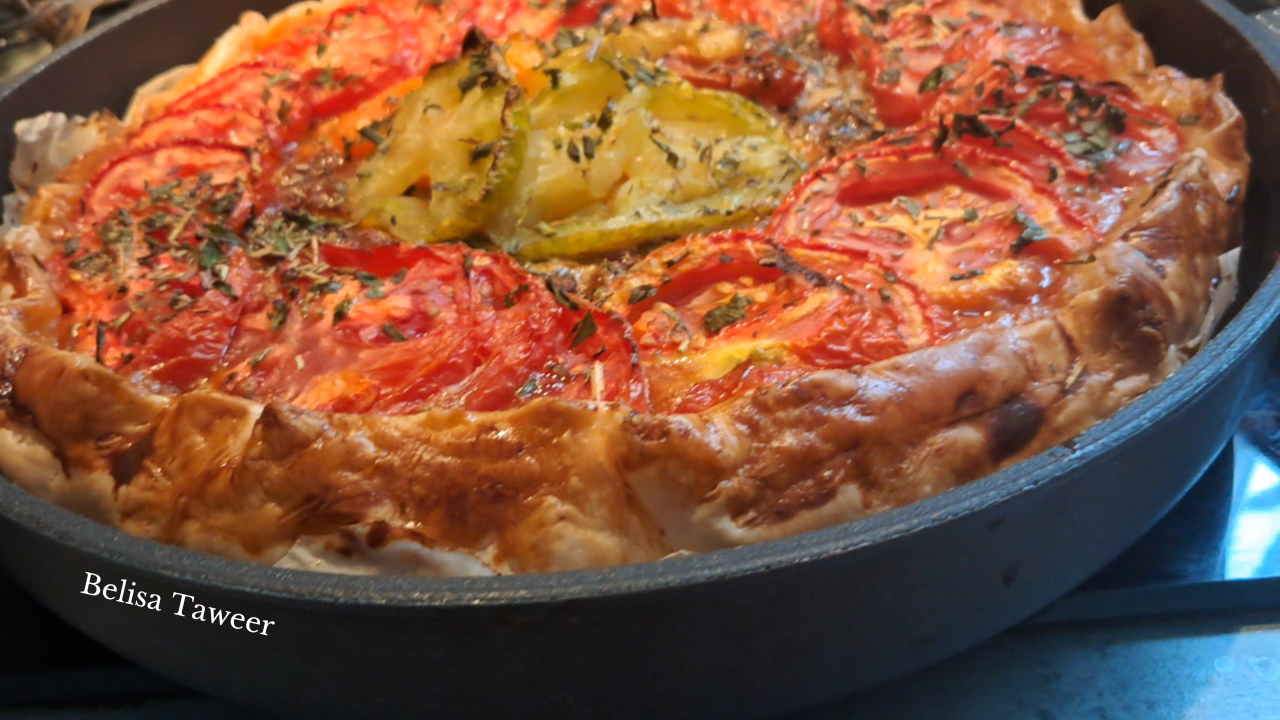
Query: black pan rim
column 300, row 588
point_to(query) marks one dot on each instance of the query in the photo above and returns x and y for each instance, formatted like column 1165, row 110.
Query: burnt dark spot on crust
column 345, row 543
column 1012, row 425
column 379, row 534
column 798, row 492
column 126, row 465
column 284, row 433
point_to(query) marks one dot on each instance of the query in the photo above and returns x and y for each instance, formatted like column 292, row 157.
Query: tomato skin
column 1065, row 113
column 183, row 351
column 473, row 330
column 125, row 181
column 766, row 79
column 352, row 55
column 974, row 222
column 989, row 47
column 834, row 28
column 223, row 124
column 272, row 91
column 716, row 316
column 898, row 49
column 468, row 329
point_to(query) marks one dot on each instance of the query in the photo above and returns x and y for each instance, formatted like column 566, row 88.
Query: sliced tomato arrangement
column 1099, row 126
column 718, row 315
column 352, row 54
column 177, row 349
column 402, row 329
column 224, row 123
column 196, row 260
column 972, row 219
column 273, row 91
column 132, row 178
column 902, row 49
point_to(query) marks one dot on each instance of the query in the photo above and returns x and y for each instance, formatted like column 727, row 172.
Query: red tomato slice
column 906, row 319
column 351, row 55
column 274, row 92
column 966, row 220
column 986, row 47
column 899, row 48
column 220, row 124
column 182, row 348
column 130, row 179
column 764, row 78
column 716, row 316
column 440, row 326
column 1099, row 125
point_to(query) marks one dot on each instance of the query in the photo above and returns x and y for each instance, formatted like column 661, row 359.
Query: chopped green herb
column 530, row 386
column 374, row 132
column 933, row 79
column 482, row 151
column 583, row 330
column 640, row 293
column 225, row 288
column 1031, row 231
column 343, row 309
column 911, row 206
column 722, row 317
column 211, row 255
column 280, row 314
column 95, row 263
column 558, row 293
column 1113, row 118
column 393, row 332
column 510, row 299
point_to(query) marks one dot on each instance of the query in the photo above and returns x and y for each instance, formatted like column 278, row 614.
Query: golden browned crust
column 559, row 485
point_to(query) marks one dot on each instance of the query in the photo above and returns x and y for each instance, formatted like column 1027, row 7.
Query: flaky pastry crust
column 560, row 485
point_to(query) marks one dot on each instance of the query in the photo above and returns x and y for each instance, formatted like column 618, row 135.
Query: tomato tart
column 454, row 287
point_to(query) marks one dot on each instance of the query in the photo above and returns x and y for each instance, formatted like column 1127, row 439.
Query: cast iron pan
column 745, row 632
